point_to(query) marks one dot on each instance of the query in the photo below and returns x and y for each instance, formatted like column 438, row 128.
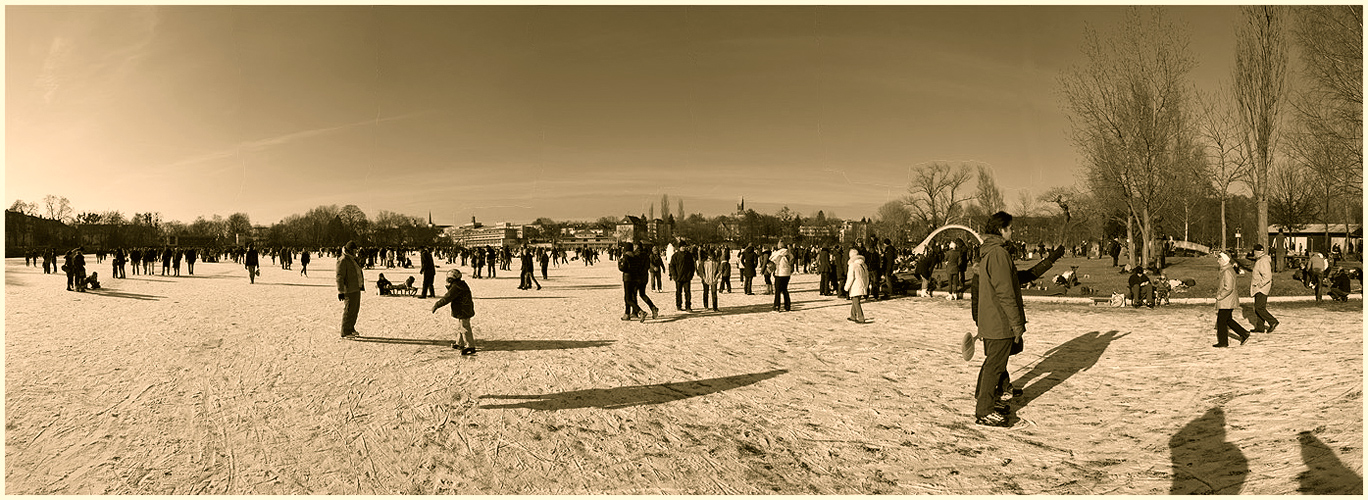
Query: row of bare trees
column 1151, row 142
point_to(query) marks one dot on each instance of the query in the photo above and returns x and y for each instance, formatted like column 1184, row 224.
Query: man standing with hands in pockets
column 350, row 282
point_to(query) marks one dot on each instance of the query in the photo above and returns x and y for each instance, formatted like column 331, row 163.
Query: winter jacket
column 458, row 295
column 857, row 277
column 783, row 262
column 349, row 274
column 711, row 272
column 1227, row 296
column 999, row 310
column 682, row 266
column 1262, row 282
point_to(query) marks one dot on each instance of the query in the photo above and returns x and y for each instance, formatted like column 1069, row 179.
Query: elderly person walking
column 1260, row 285
column 350, row 282
column 1227, row 299
column 857, row 284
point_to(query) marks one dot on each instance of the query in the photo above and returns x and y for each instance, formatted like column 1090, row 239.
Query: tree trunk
column 1130, row 239
column 1223, row 224
column 1262, row 236
column 1146, row 236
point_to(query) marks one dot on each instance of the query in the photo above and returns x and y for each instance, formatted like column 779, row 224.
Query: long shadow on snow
column 1062, row 362
column 635, row 395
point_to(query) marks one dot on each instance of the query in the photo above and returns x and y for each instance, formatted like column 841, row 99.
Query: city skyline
column 509, row 113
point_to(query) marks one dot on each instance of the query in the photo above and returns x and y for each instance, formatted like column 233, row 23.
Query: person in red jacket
column 462, row 308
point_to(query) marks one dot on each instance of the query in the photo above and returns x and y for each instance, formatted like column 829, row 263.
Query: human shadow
column 105, row 292
column 320, row 285
column 518, row 298
column 1325, row 474
column 1203, row 462
column 135, row 278
column 585, row 287
column 735, row 310
column 1062, row 362
column 494, row 345
column 635, row 395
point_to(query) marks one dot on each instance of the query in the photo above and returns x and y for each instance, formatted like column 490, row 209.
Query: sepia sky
column 508, row 113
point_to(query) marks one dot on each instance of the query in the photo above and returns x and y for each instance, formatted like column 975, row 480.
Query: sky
column 509, row 113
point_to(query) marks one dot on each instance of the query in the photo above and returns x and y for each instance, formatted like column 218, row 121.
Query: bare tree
column 664, row 207
column 1292, row 200
column 1026, row 204
column 1125, row 106
column 934, row 195
column 1226, row 162
column 1260, row 88
column 893, row 220
column 58, row 208
column 989, row 197
column 239, row 224
column 1328, row 136
column 24, row 207
column 1331, row 41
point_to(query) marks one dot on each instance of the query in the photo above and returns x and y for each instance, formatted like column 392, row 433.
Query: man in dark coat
column 252, row 263
column 640, row 269
column 747, row 269
column 351, row 281
column 824, row 271
column 682, row 267
column 428, row 269
column 889, row 255
column 953, row 256
column 874, row 263
column 997, row 309
column 78, row 271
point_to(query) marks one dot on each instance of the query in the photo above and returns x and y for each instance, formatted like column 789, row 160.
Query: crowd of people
column 860, row 271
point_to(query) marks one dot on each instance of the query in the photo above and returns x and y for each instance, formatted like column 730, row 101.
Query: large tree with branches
column 936, row 192
column 1260, row 83
column 1126, row 107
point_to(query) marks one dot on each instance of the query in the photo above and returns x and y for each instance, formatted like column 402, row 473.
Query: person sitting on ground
column 1339, row 285
column 93, row 282
column 383, row 285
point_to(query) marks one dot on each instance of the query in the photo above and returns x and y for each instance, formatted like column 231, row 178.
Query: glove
column 1057, row 253
column 341, row 296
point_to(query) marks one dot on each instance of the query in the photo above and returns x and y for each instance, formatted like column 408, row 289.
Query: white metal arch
column 921, row 247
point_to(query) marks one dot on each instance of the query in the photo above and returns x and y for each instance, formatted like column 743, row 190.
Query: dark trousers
column 629, row 295
column 1261, row 314
column 875, row 280
column 350, row 311
column 746, row 279
column 1141, row 294
column 655, row 280
column 725, row 284
column 684, row 294
column 428, row 290
column 641, row 292
column 781, row 290
column 709, row 291
column 1224, row 323
column 957, row 283
column 993, row 378
column 824, row 284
